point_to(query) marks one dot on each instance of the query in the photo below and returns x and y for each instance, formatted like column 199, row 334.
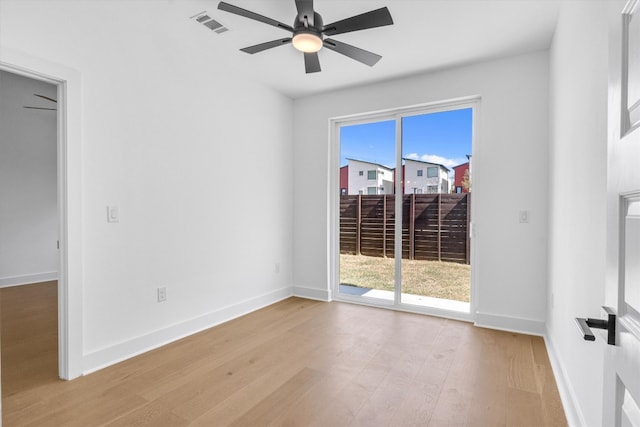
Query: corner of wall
column 312, row 293
column 510, row 323
column 28, row 278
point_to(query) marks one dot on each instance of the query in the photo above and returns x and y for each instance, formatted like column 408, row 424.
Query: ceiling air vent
column 204, row 19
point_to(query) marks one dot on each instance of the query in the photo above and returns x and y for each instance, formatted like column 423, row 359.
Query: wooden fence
column 434, row 226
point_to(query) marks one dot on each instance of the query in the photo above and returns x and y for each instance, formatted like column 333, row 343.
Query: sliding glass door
column 404, row 210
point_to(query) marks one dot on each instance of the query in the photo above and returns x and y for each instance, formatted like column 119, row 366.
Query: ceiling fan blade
column 311, row 62
column 353, row 52
column 40, row 108
column 46, row 97
column 264, row 46
column 252, row 15
column 305, row 8
column 375, row 18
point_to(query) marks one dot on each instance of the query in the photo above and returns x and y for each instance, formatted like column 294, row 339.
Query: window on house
column 360, row 173
column 372, row 190
column 444, row 186
column 432, row 172
column 372, row 174
column 417, row 190
column 432, row 189
column 419, row 172
column 360, row 192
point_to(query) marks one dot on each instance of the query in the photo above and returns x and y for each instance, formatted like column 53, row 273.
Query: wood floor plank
column 294, row 363
column 314, row 402
column 524, row 409
column 347, row 401
column 380, row 408
column 491, row 386
column 523, row 374
column 72, row 404
column 236, row 375
column 227, row 410
column 552, row 410
column 29, row 351
column 417, row 405
column 269, row 408
column 151, row 417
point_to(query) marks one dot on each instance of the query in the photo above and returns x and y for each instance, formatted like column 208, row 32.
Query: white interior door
column 621, row 393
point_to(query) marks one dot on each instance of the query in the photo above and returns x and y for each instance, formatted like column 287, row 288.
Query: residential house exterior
column 366, row 178
column 344, row 180
column 424, row 177
column 460, row 183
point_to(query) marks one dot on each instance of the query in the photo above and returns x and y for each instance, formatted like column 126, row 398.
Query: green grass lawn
column 436, row 279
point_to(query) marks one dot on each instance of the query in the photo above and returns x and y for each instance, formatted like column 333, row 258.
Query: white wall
column 577, row 194
column 511, row 155
column 165, row 121
column 28, row 205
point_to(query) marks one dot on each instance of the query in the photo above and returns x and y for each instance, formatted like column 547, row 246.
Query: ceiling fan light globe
column 307, row 42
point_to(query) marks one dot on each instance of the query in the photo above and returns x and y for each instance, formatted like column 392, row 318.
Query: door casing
column 69, row 187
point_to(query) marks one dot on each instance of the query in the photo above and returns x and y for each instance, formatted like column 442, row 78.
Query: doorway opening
column 402, row 208
column 29, row 231
column 67, row 82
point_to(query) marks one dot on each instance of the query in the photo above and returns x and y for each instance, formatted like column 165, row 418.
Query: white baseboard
column 28, row 279
column 312, row 293
column 567, row 396
column 510, row 324
column 111, row 355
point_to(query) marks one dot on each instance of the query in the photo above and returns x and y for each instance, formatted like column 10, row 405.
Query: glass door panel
column 436, row 157
column 367, row 211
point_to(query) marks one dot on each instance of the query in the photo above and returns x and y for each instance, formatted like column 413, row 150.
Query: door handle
column 585, row 325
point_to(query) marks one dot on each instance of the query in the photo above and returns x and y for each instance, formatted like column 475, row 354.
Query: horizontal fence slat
column 440, row 229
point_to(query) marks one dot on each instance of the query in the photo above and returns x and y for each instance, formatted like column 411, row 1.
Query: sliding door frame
column 397, row 114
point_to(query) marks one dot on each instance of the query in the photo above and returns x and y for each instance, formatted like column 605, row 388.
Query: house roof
column 371, row 163
column 427, row 163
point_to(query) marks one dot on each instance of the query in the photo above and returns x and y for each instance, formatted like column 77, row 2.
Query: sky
column 443, row 137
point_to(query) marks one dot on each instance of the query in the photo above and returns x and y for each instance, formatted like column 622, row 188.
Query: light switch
column 112, row 214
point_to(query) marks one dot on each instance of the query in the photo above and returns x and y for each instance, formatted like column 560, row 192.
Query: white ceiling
column 426, row 35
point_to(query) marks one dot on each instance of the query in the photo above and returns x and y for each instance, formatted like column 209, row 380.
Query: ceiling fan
column 43, row 108
column 308, row 32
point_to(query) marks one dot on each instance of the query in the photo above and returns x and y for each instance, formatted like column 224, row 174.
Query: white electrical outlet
column 523, row 216
column 162, row 294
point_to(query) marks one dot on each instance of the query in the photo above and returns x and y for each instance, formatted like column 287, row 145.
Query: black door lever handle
column 585, row 325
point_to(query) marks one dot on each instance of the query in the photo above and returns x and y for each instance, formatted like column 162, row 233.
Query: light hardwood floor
column 295, row 363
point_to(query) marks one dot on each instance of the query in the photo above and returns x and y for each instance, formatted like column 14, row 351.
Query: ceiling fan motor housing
column 301, row 25
column 307, row 37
